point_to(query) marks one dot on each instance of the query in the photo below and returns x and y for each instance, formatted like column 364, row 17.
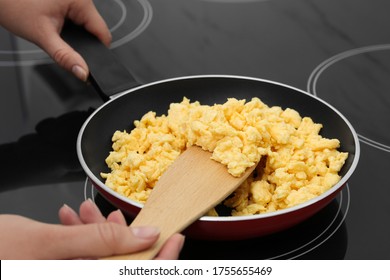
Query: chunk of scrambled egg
column 297, row 163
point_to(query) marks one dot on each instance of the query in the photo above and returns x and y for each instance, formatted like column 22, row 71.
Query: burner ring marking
column 314, row 76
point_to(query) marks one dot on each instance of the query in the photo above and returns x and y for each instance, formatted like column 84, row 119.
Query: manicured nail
column 71, row 215
column 181, row 244
column 92, row 203
column 79, row 72
column 145, row 232
column 68, row 208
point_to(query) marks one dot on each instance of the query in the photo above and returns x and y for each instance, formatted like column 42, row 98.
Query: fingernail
column 181, row 244
column 66, row 207
column 79, row 72
column 92, row 203
column 145, row 232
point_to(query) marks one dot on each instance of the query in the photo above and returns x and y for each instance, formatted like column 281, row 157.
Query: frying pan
column 132, row 101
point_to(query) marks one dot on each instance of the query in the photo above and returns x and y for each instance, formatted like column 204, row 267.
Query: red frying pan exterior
column 94, row 142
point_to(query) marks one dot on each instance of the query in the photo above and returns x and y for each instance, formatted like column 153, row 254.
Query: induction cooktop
column 338, row 51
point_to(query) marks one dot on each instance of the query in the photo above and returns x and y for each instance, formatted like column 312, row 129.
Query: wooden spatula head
column 191, row 186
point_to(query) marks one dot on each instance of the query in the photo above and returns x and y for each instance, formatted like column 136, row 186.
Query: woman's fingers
column 101, row 240
column 171, row 249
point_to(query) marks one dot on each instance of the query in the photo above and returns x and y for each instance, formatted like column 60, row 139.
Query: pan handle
column 107, row 74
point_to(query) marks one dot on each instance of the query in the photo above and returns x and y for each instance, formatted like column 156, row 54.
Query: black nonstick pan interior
column 122, row 111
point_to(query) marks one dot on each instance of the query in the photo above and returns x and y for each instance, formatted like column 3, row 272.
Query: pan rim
column 300, row 206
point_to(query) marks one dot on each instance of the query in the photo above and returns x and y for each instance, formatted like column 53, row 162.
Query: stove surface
column 336, row 50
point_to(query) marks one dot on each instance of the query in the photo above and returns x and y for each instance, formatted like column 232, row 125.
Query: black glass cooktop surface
column 336, row 50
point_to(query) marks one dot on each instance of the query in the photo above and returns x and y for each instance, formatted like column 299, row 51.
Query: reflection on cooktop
column 46, row 156
column 323, row 236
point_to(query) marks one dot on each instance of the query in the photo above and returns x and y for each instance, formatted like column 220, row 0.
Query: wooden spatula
column 191, row 186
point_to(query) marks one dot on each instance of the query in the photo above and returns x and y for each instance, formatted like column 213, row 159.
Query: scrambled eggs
column 296, row 163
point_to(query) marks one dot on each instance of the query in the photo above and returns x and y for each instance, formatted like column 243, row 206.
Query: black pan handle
column 107, row 74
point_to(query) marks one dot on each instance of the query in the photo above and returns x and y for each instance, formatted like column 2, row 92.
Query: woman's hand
column 41, row 21
column 88, row 235
column 90, row 213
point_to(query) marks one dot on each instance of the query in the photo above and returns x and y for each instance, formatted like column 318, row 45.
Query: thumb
column 65, row 56
column 103, row 240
